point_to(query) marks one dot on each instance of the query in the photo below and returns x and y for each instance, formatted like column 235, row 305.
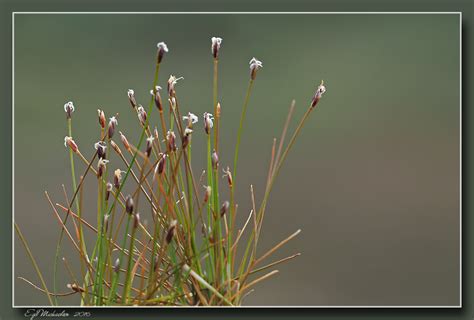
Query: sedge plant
column 186, row 253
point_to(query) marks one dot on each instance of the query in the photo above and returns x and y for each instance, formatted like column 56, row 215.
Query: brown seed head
column 171, row 231
column 318, row 94
column 161, row 164
column 228, row 174
column 162, row 49
column 187, row 136
column 136, row 220
column 149, row 146
column 255, row 65
column 112, row 124
column 215, row 46
column 129, row 204
column 115, row 147
column 69, row 142
column 101, row 166
column 208, row 122
column 101, row 147
column 131, row 98
column 124, row 141
column 224, row 208
column 157, row 98
column 74, row 287
column 102, row 120
column 214, row 160
column 141, row 115
column 69, row 109
column 108, row 189
column 207, row 193
column 171, row 85
column 171, row 139
column 117, row 178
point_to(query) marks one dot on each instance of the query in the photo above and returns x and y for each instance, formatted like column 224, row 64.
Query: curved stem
column 239, row 133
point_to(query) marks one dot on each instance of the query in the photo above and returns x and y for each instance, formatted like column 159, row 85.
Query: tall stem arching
column 241, row 124
column 35, row 264
column 81, row 239
column 236, row 158
column 243, row 275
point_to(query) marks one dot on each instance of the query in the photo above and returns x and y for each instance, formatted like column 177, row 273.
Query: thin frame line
column 246, row 13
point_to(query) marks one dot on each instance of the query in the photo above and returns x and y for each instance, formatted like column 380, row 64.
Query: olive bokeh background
column 373, row 182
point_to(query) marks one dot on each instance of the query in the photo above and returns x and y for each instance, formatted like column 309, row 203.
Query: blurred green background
column 373, row 182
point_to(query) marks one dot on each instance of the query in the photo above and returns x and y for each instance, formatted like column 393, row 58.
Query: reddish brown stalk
column 283, row 134
column 267, row 254
column 65, row 294
column 76, row 229
column 254, row 282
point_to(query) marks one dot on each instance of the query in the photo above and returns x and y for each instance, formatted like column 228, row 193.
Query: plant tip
column 171, row 85
column 149, row 145
column 208, row 122
column 112, row 123
column 102, row 120
column 171, row 140
column 124, row 141
column 318, row 94
column 141, row 115
column 162, row 49
column 255, row 65
column 117, row 178
column 214, row 160
column 131, row 98
column 101, row 166
column 215, row 46
column 69, row 142
column 69, row 109
column 129, row 204
column 191, row 119
column 100, row 146
column 171, row 231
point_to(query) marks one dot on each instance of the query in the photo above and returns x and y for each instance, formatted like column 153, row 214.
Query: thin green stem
column 33, row 261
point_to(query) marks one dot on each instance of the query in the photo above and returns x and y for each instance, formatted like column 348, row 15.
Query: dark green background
column 325, row 122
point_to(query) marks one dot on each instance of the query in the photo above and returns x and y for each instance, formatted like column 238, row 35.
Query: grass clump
column 187, row 253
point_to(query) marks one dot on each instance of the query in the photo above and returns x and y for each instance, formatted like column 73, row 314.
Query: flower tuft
column 214, row 160
column 102, row 120
column 157, row 97
column 318, row 94
column 129, row 204
column 171, row 231
column 112, row 123
column 162, row 49
column 208, row 122
column 255, row 65
column 131, row 98
column 149, row 145
column 191, row 118
column 69, row 142
column 69, row 109
column 171, row 139
column 215, row 46
column 101, row 147
column 171, row 85
column 101, row 166
column 141, row 115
